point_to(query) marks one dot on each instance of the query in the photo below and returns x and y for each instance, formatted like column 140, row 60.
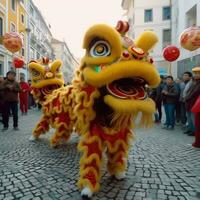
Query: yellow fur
column 123, row 69
column 146, row 40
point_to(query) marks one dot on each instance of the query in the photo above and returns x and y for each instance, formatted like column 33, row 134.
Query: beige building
column 62, row 52
column 40, row 35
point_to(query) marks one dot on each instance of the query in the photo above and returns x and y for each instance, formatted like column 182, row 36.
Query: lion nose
column 49, row 75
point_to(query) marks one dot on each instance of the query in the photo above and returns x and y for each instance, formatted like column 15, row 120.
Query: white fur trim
column 86, row 192
column 120, row 175
column 32, row 138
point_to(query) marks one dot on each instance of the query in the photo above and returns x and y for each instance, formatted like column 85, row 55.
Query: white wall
column 180, row 8
column 136, row 10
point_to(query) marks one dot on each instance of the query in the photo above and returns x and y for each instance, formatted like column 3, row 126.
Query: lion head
column 120, row 69
column 45, row 77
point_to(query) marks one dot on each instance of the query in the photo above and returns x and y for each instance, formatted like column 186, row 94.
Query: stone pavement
column 161, row 166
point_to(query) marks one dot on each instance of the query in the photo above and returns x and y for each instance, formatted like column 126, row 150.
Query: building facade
column 154, row 15
column 12, row 19
column 24, row 17
column 185, row 14
column 168, row 18
column 40, row 35
column 62, row 52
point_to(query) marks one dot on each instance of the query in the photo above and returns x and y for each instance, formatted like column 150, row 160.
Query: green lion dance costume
column 107, row 93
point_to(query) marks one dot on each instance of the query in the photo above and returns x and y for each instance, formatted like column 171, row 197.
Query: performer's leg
column 26, row 104
column 118, row 155
column 61, row 135
column 21, row 104
column 90, row 164
column 41, row 128
column 197, row 131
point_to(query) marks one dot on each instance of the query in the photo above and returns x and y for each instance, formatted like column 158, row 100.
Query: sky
column 69, row 19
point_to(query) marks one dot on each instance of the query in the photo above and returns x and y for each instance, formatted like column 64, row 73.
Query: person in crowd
column 1, row 98
column 190, row 116
column 178, row 107
column 152, row 93
column 169, row 96
column 159, row 97
column 11, row 89
column 190, row 99
column 23, row 96
column 194, row 94
column 187, row 76
column 31, row 101
column 156, row 95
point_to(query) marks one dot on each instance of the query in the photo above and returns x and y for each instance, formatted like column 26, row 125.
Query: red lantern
column 12, row 41
column 171, row 53
column 190, row 38
column 18, row 62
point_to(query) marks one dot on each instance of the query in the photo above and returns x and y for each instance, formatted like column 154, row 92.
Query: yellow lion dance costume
column 108, row 92
column 46, row 77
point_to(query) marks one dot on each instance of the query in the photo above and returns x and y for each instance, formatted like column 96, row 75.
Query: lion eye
column 100, row 49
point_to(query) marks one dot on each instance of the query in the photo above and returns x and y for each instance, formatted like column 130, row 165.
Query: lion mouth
column 48, row 89
column 128, row 88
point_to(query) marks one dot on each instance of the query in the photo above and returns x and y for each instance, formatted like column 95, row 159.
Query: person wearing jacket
column 10, row 88
column 190, row 99
column 23, row 96
column 187, row 80
column 1, row 98
column 169, row 96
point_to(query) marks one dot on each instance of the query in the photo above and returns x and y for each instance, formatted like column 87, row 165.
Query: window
column 10, row 66
column 22, row 18
column 13, row 5
column 1, row 26
column 148, row 15
column 31, row 11
column 32, row 56
column 12, row 27
column 38, row 55
column 166, row 13
column 166, row 37
column 23, row 52
column 191, row 17
column 38, row 34
column 32, row 28
column 1, row 67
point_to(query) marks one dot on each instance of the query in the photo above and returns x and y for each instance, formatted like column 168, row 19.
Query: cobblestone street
column 162, row 165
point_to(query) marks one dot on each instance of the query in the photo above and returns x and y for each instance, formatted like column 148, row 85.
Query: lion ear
column 56, row 65
column 146, row 40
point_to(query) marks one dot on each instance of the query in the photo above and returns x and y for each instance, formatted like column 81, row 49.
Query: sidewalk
column 161, row 166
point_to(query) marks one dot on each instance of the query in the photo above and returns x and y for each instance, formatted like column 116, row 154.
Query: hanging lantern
column 12, row 41
column 18, row 62
column 190, row 38
column 171, row 53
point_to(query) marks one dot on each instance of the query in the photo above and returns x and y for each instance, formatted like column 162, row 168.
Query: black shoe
column 16, row 129
column 186, row 132
column 165, row 127
column 170, row 128
column 5, row 129
column 191, row 134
